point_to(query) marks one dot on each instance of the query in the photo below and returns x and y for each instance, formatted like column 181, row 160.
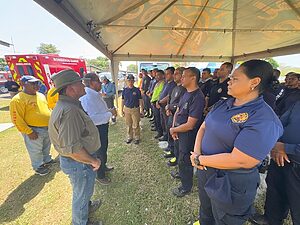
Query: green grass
column 140, row 192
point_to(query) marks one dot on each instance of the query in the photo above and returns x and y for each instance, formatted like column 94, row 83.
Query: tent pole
column 114, row 67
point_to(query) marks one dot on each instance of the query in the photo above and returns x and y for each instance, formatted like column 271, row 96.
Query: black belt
column 135, row 107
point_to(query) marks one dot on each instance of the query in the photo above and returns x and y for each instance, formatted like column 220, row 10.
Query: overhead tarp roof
column 183, row 30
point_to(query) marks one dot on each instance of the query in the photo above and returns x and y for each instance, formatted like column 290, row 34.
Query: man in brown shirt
column 76, row 138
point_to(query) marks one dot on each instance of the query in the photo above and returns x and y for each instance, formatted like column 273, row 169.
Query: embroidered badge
column 219, row 90
column 240, row 118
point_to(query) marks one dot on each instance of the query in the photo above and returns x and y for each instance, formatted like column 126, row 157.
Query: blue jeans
column 82, row 178
column 39, row 149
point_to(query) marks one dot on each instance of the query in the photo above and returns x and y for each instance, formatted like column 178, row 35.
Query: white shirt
column 94, row 105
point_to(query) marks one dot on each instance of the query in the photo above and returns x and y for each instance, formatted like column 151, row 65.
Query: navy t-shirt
column 217, row 92
column 191, row 104
column 253, row 128
column 131, row 97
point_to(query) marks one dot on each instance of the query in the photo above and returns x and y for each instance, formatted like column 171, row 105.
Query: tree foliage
column 273, row 62
column 132, row 68
column 2, row 64
column 47, row 48
column 102, row 63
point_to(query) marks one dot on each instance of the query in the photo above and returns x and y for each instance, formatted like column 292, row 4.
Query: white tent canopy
column 183, row 30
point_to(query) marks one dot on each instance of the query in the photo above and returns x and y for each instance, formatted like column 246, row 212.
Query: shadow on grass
column 5, row 108
column 13, row 206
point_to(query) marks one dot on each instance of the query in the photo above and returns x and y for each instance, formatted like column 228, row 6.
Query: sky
column 25, row 24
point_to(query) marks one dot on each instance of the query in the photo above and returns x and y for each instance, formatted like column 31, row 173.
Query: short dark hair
column 258, row 68
column 171, row 68
column 180, row 69
column 293, row 74
column 160, row 71
column 207, row 70
column 92, row 77
column 195, row 72
column 228, row 65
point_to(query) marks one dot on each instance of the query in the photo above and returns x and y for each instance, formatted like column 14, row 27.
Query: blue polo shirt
column 253, row 128
column 131, row 97
column 191, row 104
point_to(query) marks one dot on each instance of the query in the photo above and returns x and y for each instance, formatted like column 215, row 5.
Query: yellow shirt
column 52, row 99
column 29, row 110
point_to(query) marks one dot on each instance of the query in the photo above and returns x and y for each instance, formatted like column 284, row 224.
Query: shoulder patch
column 240, row 118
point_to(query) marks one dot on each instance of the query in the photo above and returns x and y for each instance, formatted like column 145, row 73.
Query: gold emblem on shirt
column 240, row 118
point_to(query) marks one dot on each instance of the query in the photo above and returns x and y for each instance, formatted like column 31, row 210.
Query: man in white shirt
column 94, row 105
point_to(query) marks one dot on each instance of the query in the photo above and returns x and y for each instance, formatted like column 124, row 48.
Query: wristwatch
column 197, row 161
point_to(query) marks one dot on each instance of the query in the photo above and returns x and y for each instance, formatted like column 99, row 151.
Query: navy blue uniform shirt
column 131, row 97
column 191, row 104
column 168, row 88
column 253, row 128
column 218, row 91
column 291, row 125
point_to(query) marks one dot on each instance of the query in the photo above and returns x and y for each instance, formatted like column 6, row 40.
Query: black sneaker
column 175, row 175
column 136, row 142
column 157, row 136
column 95, row 223
column 94, row 205
column 180, row 192
column 258, row 219
column 163, row 138
column 153, row 129
column 50, row 163
column 108, row 168
column 128, row 141
column 104, row 181
column 172, row 162
column 42, row 171
column 168, row 155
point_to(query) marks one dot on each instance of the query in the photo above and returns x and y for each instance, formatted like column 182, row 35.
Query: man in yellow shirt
column 30, row 113
column 52, row 99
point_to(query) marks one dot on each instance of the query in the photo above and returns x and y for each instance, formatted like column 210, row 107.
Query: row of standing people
column 253, row 90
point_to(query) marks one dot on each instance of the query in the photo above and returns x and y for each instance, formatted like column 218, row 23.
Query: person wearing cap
column 30, row 114
column 94, row 105
column 108, row 91
column 133, row 109
column 186, row 122
column 76, row 139
column 12, row 86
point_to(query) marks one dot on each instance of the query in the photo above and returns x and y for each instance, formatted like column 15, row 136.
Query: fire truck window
column 21, row 70
column 30, row 70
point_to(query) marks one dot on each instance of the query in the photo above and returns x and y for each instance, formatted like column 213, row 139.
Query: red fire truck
column 42, row 66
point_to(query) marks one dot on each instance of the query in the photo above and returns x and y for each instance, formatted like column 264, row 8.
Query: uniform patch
column 133, row 93
column 219, row 90
column 176, row 94
column 240, row 118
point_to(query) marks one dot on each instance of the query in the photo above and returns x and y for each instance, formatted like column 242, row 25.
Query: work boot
column 136, row 142
column 50, row 163
column 157, row 136
column 163, row 138
column 128, row 141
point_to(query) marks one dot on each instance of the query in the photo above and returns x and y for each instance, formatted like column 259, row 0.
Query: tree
column 3, row 64
column 102, row 63
column 132, row 68
column 273, row 62
column 47, row 48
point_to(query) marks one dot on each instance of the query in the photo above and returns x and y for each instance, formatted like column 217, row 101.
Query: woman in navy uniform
column 235, row 137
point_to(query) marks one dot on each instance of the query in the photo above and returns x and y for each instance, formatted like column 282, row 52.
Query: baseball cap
column 27, row 78
column 130, row 77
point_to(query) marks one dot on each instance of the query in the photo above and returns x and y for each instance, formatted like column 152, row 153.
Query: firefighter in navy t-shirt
column 187, row 120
